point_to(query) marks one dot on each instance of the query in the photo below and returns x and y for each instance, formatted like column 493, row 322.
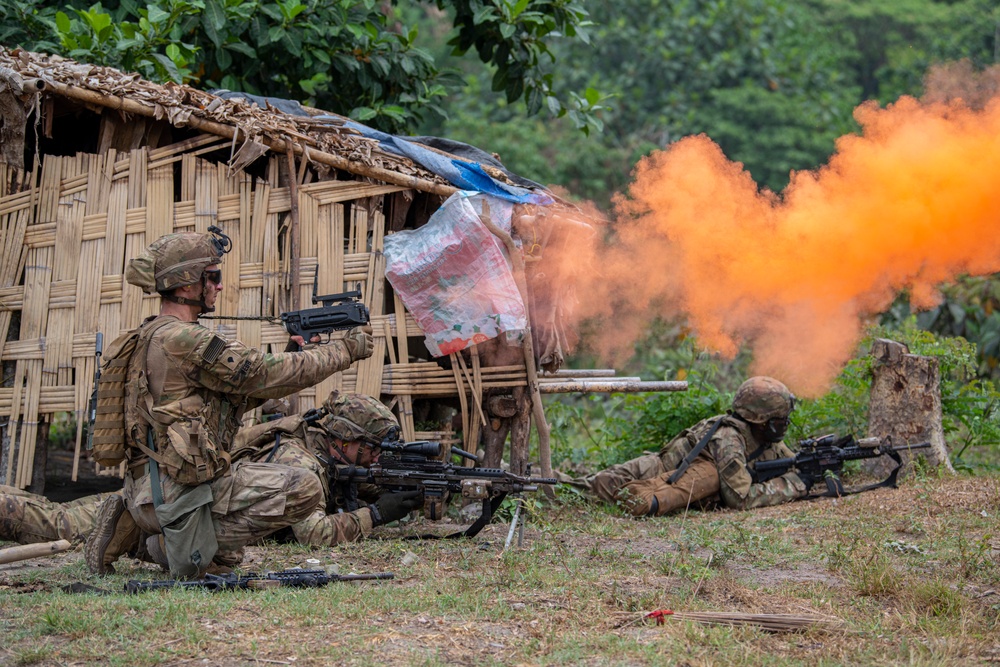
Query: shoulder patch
column 213, row 349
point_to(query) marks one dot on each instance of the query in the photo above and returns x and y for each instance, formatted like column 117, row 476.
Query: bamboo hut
column 96, row 163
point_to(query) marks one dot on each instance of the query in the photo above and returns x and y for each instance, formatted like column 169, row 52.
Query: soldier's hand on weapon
column 394, row 506
column 807, row 479
column 360, row 342
column 296, row 343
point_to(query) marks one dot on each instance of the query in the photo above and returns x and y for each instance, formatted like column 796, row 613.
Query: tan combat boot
column 114, row 535
column 637, row 498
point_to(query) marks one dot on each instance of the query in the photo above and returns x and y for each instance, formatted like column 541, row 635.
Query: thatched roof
column 254, row 130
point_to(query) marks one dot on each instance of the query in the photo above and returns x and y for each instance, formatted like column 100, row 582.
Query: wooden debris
column 767, row 622
column 26, row 551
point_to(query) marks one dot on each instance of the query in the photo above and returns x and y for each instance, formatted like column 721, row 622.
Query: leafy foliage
column 351, row 56
column 774, row 82
column 599, row 432
column 151, row 45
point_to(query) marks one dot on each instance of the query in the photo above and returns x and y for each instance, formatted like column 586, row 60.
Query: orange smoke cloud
column 910, row 203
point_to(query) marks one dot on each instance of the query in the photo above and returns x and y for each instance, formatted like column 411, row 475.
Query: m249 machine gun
column 417, row 466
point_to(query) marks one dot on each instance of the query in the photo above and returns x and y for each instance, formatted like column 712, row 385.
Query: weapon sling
column 693, row 454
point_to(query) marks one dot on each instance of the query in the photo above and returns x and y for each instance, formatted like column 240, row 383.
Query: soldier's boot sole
column 114, row 535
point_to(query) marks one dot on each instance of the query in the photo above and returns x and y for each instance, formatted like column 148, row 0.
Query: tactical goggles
column 777, row 423
column 214, row 276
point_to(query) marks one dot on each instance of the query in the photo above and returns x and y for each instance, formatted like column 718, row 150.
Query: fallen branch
column 26, row 551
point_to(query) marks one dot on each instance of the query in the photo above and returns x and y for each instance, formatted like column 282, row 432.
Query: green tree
column 350, row 56
column 756, row 75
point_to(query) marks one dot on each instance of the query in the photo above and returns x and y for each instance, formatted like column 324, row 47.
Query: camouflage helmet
column 762, row 398
column 177, row 260
column 356, row 417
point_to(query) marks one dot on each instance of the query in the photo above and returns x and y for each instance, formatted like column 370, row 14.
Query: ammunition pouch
column 189, row 453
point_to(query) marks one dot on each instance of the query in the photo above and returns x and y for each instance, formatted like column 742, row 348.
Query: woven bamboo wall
column 72, row 233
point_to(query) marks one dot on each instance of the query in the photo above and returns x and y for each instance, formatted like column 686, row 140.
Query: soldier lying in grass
column 713, row 461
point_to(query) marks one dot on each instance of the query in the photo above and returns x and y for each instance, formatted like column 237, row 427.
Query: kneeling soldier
column 186, row 392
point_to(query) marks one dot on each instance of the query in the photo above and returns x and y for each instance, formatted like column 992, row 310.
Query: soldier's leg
column 657, row 496
column 609, row 481
column 257, row 499
column 252, row 501
column 28, row 518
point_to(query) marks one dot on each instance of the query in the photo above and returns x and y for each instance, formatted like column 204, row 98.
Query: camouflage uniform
column 201, row 386
column 293, row 442
column 305, row 447
column 27, row 518
column 191, row 387
column 721, row 472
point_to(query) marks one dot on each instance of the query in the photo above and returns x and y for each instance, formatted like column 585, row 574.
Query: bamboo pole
column 542, row 426
column 294, row 233
column 580, row 373
column 277, row 145
column 610, row 386
column 26, row 551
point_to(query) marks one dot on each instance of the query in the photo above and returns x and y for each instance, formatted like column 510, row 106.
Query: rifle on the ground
column 92, row 405
column 232, row 582
column 417, row 466
column 338, row 312
column 823, row 459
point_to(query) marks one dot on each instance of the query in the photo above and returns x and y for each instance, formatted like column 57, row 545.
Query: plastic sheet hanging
column 454, row 276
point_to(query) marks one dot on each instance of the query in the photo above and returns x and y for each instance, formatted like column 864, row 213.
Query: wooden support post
column 26, row 551
column 535, row 397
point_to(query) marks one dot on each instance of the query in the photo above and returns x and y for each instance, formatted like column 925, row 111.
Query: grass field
column 908, row 576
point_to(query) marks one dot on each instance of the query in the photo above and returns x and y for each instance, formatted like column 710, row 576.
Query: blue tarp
column 461, row 174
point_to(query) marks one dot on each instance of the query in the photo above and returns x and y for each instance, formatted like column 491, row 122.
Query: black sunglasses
column 214, row 276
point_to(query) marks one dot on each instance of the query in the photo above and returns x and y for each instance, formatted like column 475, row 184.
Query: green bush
column 597, row 431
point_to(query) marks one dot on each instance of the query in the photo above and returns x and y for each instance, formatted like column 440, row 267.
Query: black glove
column 807, row 479
column 394, row 506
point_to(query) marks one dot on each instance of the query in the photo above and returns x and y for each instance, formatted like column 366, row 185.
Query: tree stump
column 905, row 405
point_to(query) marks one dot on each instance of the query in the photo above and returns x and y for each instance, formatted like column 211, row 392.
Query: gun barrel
column 366, row 577
column 902, row 448
column 542, row 480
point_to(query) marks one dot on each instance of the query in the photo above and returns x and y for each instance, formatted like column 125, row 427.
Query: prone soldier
column 28, row 518
column 713, row 460
column 350, row 432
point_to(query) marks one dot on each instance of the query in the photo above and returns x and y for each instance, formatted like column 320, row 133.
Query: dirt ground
column 906, row 576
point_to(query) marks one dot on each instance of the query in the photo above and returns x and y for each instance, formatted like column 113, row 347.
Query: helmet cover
column 357, row 417
column 176, row 260
column 762, row 398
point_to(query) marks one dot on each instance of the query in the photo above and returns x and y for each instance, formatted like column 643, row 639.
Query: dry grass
column 913, row 576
